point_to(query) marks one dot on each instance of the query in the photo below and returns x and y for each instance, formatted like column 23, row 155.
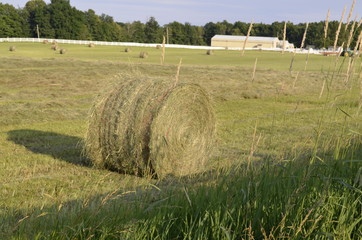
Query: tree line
column 60, row 20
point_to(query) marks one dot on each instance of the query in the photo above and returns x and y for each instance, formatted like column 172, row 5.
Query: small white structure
column 288, row 45
column 232, row 41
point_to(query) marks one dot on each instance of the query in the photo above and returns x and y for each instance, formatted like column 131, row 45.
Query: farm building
column 232, row 41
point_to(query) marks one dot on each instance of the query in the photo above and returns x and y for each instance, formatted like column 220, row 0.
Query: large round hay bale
column 158, row 46
column 91, row 45
column 45, row 41
column 143, row 54
column 210, row 52
column 152, row 128
column 127, row 49
column 62, row 51
column 12, row 48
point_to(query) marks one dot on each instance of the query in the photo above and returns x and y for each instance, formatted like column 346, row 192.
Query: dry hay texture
column 62, row 51
column 12, row 48
column 54, row 47
column 91, row 45
column 210, row 52
column 45, row 41
column 149, row 127
column 127, row 49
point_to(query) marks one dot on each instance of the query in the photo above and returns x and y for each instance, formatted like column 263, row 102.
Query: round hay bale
column 158, row 46
column 150, row 127
column 127, row 49
column 12, row 48
column 210, row 52
column 45, row 41
column 55, row 42
column 62, row 51
column 91, row 45
column 143, row 54
column 54, row 47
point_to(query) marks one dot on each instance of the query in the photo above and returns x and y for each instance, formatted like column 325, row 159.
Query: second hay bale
column 143, row 55
column 54, row 47
column 150, row 127
column 210, row 52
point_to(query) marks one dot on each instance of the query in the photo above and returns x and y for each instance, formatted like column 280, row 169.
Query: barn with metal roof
column 231, row 41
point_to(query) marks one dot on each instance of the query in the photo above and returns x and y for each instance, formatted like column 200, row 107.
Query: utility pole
column 167, row 35
column 37, row 30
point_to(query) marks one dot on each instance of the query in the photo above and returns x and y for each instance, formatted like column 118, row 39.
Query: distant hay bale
column 55, row 42
column 54, row 47
column 127, row 49
column 158, row 46
column 91, row 45
column 210, row 52
column 12, row 48
column 62, row 51
column 143, row 54
column 45, row 41
column 150, row 127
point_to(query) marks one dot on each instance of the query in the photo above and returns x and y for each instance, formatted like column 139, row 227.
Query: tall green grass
column 290, row 200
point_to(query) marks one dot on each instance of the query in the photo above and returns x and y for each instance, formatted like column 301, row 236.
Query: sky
column 200, row 12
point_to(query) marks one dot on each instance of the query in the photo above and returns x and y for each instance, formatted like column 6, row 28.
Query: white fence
column 65, row 41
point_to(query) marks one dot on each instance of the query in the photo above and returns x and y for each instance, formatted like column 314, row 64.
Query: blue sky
column 200, row 12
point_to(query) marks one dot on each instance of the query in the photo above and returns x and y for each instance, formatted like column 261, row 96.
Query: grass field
column 287, row 163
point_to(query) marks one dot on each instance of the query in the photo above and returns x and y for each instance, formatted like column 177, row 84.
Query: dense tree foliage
column 58, row 19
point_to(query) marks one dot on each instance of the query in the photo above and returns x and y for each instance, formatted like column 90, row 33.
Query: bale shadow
column 59, row 146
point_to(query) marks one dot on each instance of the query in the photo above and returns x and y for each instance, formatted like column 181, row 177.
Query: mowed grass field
column 287, row 162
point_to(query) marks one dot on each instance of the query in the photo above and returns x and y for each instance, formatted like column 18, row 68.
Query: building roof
column 242, row 38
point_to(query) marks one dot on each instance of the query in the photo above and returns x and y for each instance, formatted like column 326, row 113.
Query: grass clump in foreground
column 291, row 200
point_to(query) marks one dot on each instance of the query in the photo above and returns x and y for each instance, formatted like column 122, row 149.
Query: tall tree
column 11, row 21
column 138, row 34
column 93, row 24
column 176, row 33
column 68, row 22
column 153, row 31
column 39, row 18
column 210, row 30
column 109, row 30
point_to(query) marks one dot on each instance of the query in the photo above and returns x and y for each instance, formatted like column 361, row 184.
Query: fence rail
column 66, row 41
column 104, row 43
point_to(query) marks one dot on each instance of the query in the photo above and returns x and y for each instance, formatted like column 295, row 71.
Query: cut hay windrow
column 151, row 127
